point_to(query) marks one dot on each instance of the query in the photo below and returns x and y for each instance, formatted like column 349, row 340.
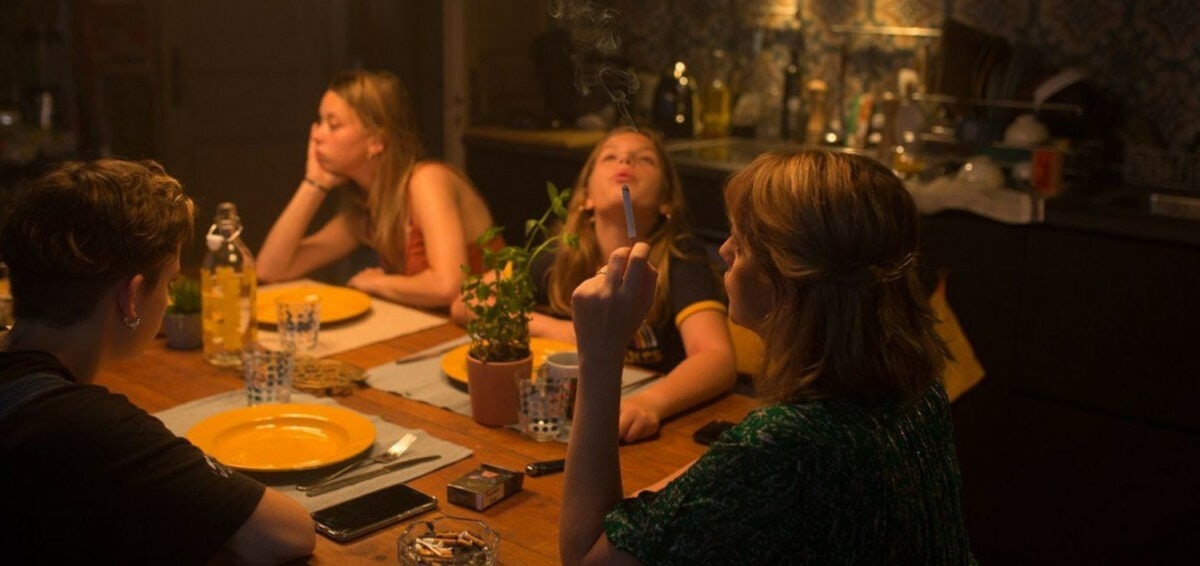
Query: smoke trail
column 595, row 33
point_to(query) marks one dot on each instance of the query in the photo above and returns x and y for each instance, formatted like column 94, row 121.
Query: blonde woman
column 851, row 461
column 685, row 335
column 421, row 217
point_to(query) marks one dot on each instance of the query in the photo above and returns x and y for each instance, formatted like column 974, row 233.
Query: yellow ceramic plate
column 283, row 437
column 337, row 303
column 454, row 363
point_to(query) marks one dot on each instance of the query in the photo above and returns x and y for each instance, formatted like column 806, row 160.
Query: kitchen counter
column 1093, row 214
column 715, row 159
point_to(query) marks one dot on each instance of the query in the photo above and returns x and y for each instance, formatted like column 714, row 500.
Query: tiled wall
column 1145, row 53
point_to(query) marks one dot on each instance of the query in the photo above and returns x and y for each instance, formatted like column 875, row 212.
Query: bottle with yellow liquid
column 227, row 289
column 716, row 99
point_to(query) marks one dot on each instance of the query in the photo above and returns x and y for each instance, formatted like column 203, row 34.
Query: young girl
column 422, row 217
column 852, row 460
column 686, row 335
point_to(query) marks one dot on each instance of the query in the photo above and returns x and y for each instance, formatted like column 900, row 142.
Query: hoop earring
column 133, row 324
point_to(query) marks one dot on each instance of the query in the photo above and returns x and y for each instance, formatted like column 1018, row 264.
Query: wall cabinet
column 1112, row 324
column 512, row 179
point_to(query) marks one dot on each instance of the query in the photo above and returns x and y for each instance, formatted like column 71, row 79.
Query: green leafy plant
column 500, row 299
column 184, row 296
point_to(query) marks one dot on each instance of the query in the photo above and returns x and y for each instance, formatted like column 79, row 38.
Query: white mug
column 546, row 402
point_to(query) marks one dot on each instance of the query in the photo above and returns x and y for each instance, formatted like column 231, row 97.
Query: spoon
column 395, row 451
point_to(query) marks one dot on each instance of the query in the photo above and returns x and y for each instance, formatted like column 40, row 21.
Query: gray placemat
column 423, row 380
column 182, row 418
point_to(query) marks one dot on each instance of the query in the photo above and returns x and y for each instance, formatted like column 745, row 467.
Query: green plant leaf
column 502, row 302
column 184, row 296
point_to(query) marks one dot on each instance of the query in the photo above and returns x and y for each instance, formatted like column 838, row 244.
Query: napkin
column 182, row 418
column 1003, row 205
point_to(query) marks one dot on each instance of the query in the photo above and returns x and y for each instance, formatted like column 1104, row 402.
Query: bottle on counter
column 673, row 103
column 817, row 113
column 794, row 121
column 908, row 125
column 716, row 100
column 227, row 290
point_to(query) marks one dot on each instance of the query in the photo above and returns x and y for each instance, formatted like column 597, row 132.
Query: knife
column 435, row 351
column 351, row 480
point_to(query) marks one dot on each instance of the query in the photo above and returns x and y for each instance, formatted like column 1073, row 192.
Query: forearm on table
column 427, row 289
column 698, row 378
column 592, row 484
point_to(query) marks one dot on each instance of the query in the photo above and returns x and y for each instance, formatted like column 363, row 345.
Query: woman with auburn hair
column 85, row 476
column 421, row 217
column 686, row 335
column 852, row 460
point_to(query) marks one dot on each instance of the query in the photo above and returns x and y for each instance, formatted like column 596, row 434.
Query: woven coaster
column 327, row 377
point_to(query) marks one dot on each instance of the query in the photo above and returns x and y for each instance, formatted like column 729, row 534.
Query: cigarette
column 630, row 229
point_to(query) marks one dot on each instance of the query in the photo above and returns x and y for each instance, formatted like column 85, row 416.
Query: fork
column 395, row 451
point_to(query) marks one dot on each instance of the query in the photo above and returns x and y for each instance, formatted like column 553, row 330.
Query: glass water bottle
column 227, row 287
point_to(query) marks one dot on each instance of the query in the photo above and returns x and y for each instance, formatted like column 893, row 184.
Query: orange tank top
column 416, row 260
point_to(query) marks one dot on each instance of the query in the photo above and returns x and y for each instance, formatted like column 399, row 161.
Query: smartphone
column 708, row 433
column 368, row 513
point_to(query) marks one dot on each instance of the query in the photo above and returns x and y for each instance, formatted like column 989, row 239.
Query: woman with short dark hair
column 85, row 476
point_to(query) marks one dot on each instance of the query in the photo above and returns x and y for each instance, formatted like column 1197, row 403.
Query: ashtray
column 448, row 540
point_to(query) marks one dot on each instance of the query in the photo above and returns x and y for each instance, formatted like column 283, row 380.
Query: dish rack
column 1167, row 169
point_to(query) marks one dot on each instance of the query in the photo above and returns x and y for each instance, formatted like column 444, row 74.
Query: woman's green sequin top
column 830, row 481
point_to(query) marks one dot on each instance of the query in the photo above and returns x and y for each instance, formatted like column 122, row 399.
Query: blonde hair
column 572, row 266
column 837, row 236
column 383, row 105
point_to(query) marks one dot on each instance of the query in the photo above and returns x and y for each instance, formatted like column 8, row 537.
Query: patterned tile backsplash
column 1143, row 53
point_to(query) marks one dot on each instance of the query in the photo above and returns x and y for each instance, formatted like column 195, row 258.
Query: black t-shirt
column 694, row 288
column 86, row 477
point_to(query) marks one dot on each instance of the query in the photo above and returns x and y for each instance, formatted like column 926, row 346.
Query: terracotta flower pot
column 493, row 389
column 184, row 331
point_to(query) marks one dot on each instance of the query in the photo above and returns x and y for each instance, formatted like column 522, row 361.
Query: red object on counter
column 1047, row 171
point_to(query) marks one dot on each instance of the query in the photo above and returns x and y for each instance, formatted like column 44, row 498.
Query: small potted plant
column 182, row 323
column 499, row 302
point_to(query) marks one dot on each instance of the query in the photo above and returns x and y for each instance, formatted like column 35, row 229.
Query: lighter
column 542, row 468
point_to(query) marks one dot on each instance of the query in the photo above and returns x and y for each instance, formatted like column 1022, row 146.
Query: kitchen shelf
column 1019, row 104
column 897, row 31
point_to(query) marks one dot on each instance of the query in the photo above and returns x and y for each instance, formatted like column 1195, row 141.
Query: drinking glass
column 268, row 366
column 545, row 402
column 299, row 320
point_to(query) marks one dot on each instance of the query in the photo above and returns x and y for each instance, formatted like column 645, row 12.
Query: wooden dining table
column 527, row 521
